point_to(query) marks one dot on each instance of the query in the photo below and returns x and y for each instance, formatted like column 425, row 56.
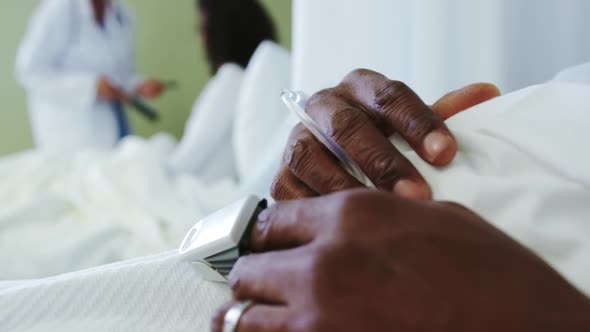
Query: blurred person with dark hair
column 233, row 29
column 232, row 32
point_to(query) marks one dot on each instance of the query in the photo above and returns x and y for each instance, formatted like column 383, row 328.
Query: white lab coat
column 59, row 62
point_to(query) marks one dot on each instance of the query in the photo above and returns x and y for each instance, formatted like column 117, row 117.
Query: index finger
column 289, row 224
column 398, row 109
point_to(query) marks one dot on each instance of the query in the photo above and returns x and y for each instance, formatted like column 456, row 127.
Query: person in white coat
column 77, row 65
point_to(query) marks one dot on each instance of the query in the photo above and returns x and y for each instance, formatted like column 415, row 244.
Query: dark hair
column 234, row 29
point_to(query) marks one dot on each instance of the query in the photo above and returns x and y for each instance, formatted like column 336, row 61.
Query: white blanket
column 523, row 164
column 61, row 213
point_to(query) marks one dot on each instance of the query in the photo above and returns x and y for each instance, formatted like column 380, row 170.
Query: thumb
column 459, row 100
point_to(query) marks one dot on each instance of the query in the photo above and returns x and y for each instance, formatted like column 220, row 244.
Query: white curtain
column 439, row 45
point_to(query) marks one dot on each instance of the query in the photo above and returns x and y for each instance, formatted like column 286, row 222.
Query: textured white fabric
column 436, row 46
column 522, row 165
column 160, row 293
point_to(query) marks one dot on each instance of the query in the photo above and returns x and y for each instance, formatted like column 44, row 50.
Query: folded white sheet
column 523, row 165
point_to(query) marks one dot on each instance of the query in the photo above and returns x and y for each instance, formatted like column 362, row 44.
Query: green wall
column 168, row 47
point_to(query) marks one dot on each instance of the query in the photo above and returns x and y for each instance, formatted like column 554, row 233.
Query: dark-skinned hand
column 370, row 261
column 109, row 92
column 360, row 114
column 150, row 89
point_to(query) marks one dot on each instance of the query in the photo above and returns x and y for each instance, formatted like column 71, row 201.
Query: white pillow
column 260, row 110
column 205, row 149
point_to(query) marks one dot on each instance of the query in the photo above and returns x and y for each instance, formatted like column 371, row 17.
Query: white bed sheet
column 62, row 213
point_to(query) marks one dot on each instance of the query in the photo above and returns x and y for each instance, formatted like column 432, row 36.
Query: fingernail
column 412, row 189
column 440, row 148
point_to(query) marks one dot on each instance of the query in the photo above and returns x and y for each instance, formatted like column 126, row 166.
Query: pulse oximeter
column 215, row 243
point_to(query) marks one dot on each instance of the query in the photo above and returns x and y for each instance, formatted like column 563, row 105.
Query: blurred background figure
column 232, row 32
column 126, row 192
column 77, row 64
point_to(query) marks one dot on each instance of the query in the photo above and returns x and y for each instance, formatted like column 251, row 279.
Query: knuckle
column 418, row 124
column 344, row 123
column 335, row 112
column 399, row 103
column 385, row 167
column 298, row 155
column 278, row 188
column 357, row 74
column 287, row 186
column 392, row 93
column 320, row 97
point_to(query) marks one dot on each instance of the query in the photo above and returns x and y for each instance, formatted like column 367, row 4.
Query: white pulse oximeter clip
column 216, row 242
